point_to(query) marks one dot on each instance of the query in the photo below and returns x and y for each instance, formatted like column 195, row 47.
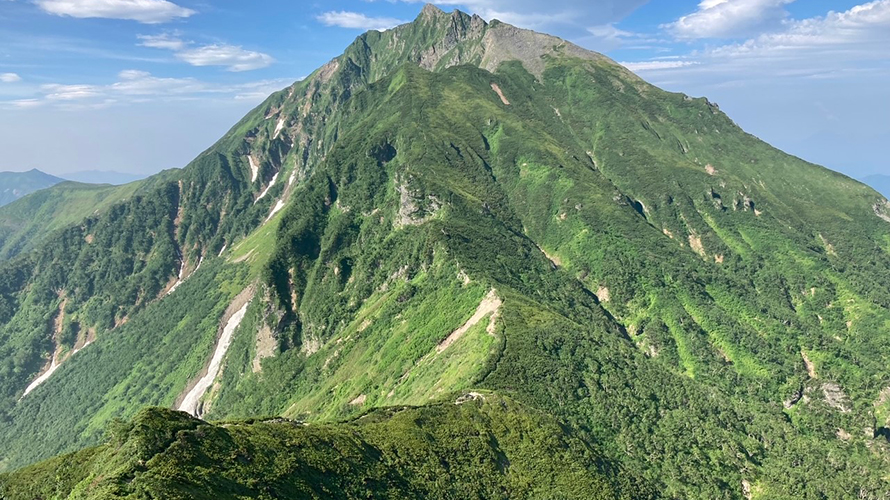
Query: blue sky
column 142, row 85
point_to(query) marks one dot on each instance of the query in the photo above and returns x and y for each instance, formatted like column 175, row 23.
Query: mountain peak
column 430, row 10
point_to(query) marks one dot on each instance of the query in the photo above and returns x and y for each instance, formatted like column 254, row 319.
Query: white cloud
column 163, row 41
column 142, row 83
column 610, row 32
column 656, row 65
column 356, row 20
column 143, row 11
column 9, row 78
column 59, row 92
column 233, row 57
column 730, row 18
column 831, row 44
column 850, row 44
column 136, row 86
column 26, row 103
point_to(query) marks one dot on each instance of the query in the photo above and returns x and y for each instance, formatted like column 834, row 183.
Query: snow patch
column 52, row 369
column 254, row 168
column 182, row 279
column 179, row 280
column 192, row 400
column 266, row 191
column 277, row 208
column 278, row 127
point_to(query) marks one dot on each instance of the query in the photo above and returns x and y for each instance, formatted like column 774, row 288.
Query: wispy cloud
column 356, row 20
column 162, row 41
column 142, row 83
column 26, row 103
column 143, row 11
column 609, row 37
column 135, row 86
column 59, row 92
column 656, row 65
column 232, row 57
column 9, row 78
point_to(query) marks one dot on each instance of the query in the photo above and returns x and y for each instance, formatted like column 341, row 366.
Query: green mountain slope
column 487, row 447
column 26, row 223
column 14, row 185
column 452, row 206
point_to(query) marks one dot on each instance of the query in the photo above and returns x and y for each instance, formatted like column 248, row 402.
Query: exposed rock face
column 882, row 210
column 602, row 293
column 415, row 208
column 835, row 397
column 503, row 42
column 811, row 368
column 496, row 42
column 490, row 305
column 460, row 28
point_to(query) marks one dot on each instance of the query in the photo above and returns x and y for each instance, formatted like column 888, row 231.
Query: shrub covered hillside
column 638, row 288
column 483, row 446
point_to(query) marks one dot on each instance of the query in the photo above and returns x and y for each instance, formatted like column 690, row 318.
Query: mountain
column 26, row 223
column 103, row 177
column 606, row 276
column 14, row 185
column 881, row 183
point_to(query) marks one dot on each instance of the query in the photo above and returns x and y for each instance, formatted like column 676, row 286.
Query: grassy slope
column 492, row 448
column 48, row 210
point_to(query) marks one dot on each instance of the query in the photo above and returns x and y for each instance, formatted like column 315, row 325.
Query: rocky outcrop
column 415, row 207
column 882, row 209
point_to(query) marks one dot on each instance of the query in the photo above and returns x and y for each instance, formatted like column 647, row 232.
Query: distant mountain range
column 880, row 183
column 14, row 185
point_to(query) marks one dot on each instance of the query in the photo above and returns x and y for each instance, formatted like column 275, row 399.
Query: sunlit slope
column 483, row 447
column 25, row 223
